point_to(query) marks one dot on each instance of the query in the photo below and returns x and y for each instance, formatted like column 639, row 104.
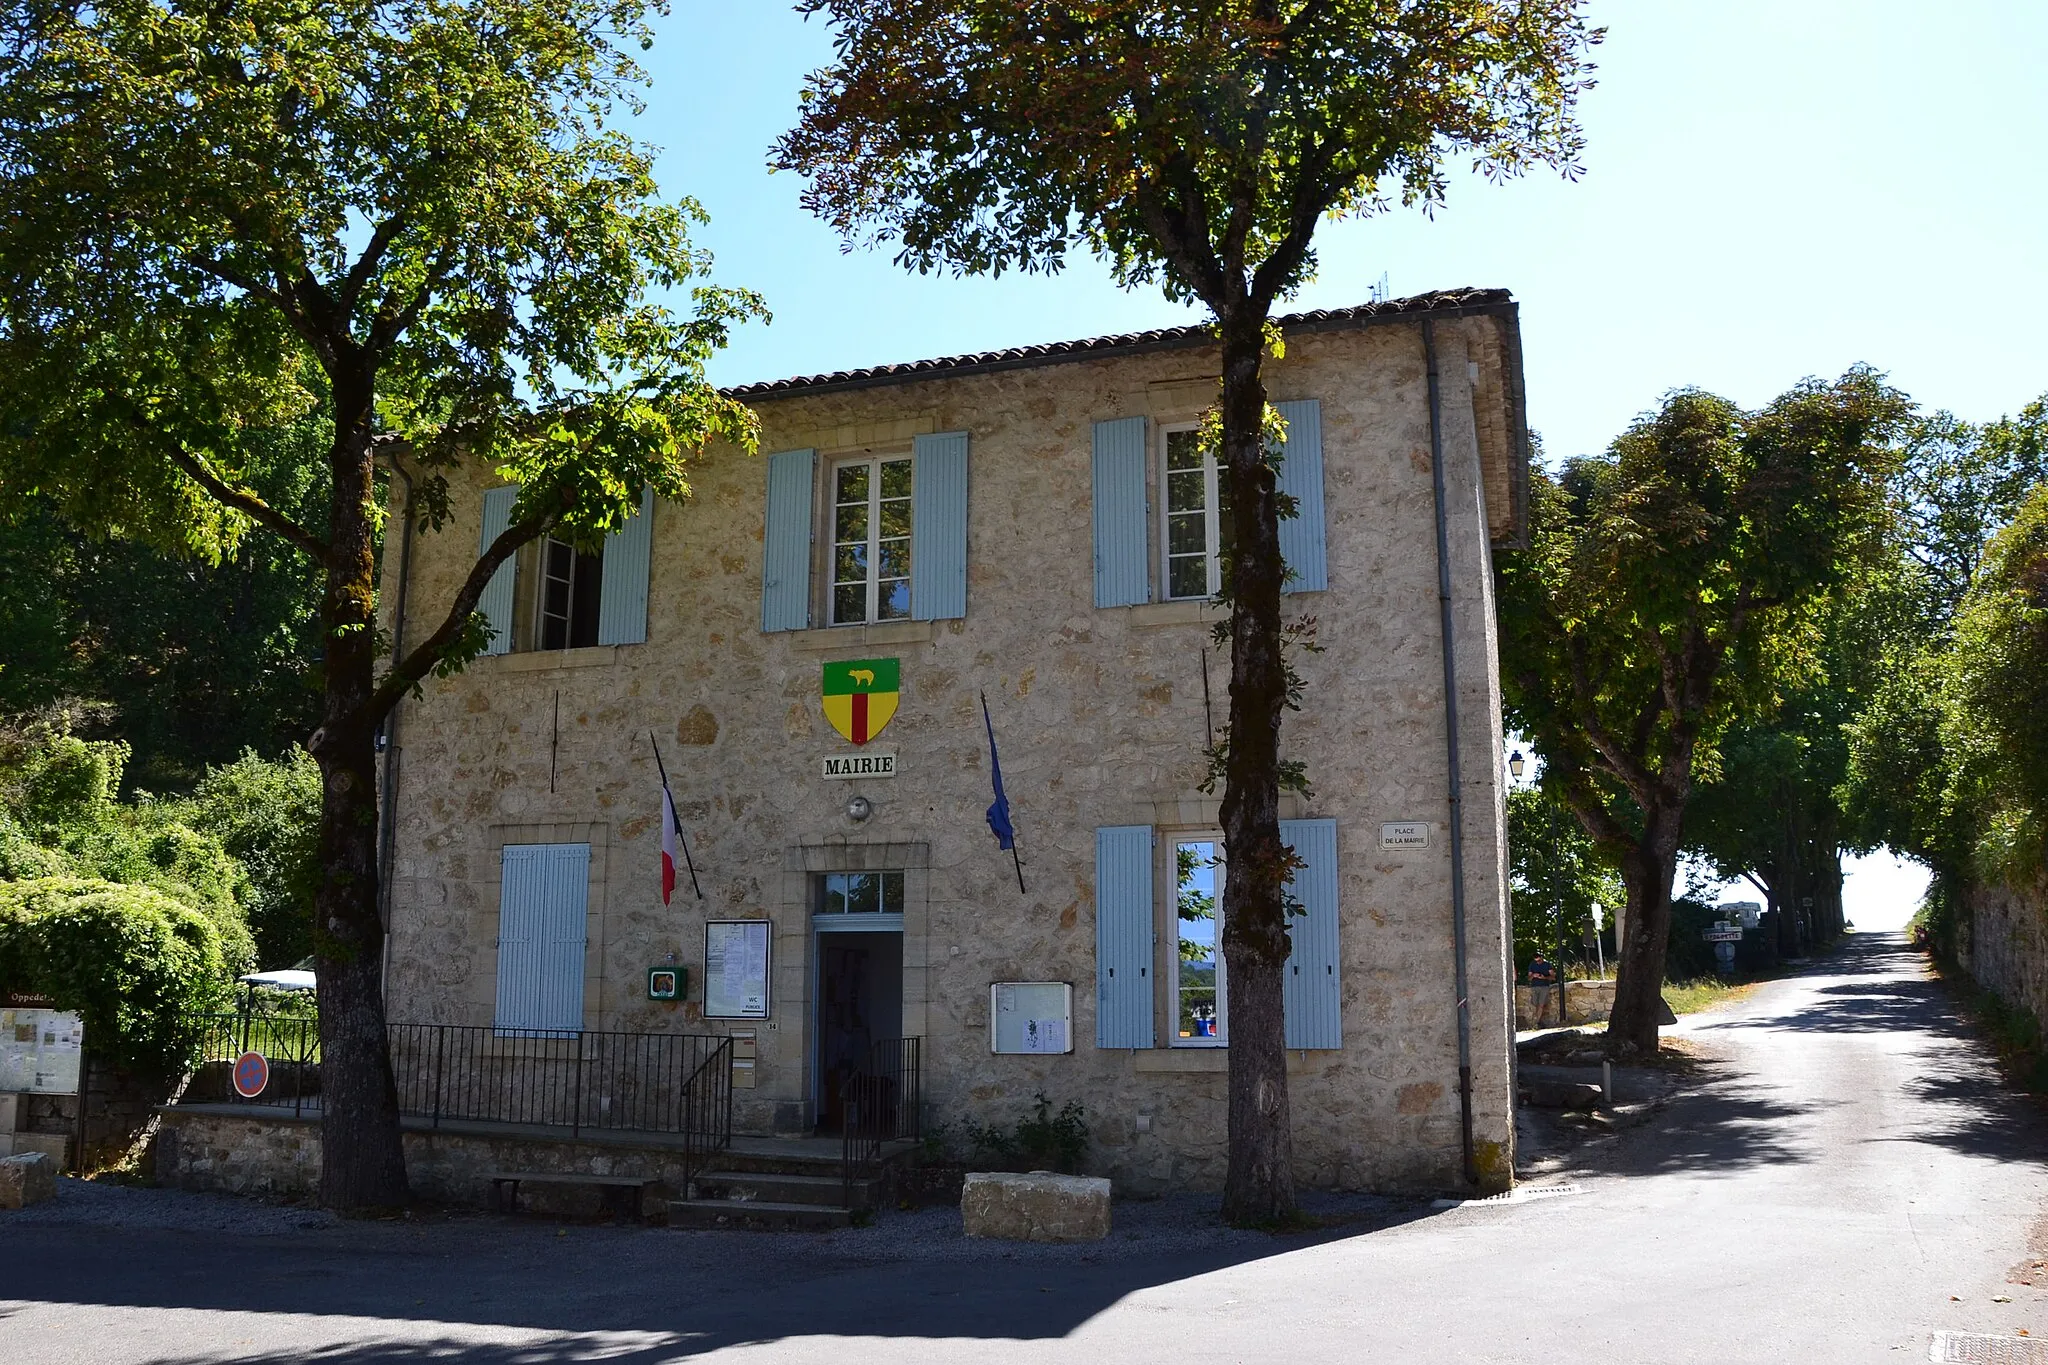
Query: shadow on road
column 1869, row 984
column 499, row 1291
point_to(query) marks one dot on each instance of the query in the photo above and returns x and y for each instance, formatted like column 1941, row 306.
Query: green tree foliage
column 267, row 816
column 1672, row 588
column 412, row 223
column 1945, row 759
column 1197, row 147
column 137, row 964
column 1554, row 874
column 198, row 661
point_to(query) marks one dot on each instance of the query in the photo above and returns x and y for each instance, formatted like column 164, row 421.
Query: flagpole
column 674, row 818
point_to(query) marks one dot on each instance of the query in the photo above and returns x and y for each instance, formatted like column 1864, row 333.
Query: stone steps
column 784, row 1187
column 761, row 1215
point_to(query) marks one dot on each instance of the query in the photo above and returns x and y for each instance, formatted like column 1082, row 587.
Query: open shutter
column 542, row 930
column 786, row 542
column 1301, row 476
column 1310, row 997
column 622, row 597
column 938, row 527
column 496, row 603
column 1123, row 578
column 1123, row 936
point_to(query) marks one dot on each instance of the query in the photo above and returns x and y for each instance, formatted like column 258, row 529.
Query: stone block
column 55, row 1146
column 1039, row 1207
column 10, row 1112
column 25, row 1180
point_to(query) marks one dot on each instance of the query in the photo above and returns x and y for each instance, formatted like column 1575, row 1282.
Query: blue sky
column 1773, row 190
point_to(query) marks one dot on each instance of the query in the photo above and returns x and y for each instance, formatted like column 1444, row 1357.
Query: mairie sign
column 860, row 696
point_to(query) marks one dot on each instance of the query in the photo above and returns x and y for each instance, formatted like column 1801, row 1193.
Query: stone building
column 1035, row 525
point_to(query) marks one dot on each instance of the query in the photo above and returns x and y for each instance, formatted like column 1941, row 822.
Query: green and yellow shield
column 860, row 696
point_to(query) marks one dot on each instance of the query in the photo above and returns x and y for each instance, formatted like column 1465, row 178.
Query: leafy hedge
column 135, row 963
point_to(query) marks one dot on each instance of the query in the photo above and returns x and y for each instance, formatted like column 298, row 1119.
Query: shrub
column 136, row 964
column 267, row 816
column 1041, row 1141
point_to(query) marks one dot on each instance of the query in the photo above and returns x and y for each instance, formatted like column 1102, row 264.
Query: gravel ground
column 1178, row 1224
column 90, row 1203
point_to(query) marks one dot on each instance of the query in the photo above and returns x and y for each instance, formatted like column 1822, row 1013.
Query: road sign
column 1722, row 936
column 252, row 1074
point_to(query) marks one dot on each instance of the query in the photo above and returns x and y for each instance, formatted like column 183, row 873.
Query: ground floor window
column 1200, row 991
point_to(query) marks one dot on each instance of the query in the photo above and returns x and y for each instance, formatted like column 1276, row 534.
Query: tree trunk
column 1259, row 1187
column 1647, row 870
column 362, row 1153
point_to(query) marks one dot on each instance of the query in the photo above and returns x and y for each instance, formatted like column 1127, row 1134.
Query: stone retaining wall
column 204, row 1148
column 2002, row 941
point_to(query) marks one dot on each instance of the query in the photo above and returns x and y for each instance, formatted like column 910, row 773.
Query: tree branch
column 241, row 499
column 366, row 264
column 406, row 673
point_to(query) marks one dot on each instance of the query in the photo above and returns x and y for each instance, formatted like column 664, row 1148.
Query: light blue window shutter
column 542, row 929
column 1123, row 936
column 1310, row 997
column 1123, row 575
column 622, row 597
column 496, row 603
column 1301, row 475
column 938, row 527
column 786, row 542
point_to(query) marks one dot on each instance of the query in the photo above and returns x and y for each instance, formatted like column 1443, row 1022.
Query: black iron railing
column 883, row 1102
column 290, row 1069
column 579, row 1082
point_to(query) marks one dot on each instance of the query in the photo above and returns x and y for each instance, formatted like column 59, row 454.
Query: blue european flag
column 999, row 812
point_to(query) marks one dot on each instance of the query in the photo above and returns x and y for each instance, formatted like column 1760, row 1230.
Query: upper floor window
column 871, row 521
column 1200, row 991
column 1197, row 518
column 570, row 590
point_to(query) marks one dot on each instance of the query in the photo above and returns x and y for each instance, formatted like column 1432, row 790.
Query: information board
column 40, row 1051
column 736, row 969
column 1031, row 1016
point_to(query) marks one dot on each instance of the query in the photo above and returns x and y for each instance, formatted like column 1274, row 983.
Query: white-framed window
column 1196, row 517
column 1201, row 992
column 567, row 596
column 871, row 519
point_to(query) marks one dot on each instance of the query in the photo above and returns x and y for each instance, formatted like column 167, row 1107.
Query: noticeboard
column 736, row 969
column 1031, row 1017
column 40, row 1050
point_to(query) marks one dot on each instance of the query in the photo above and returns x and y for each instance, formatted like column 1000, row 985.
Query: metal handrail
column 883, row 1100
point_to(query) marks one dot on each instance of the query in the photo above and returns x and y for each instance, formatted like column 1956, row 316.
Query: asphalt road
column 1847, row 1165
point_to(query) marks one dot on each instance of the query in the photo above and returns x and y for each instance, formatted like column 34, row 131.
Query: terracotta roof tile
column 1452, row 301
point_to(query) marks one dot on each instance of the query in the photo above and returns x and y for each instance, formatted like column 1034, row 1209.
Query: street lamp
column 1515, row 765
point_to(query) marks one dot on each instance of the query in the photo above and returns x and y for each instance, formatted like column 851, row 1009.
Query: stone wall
column 277, row 1155
column 1102, row 716
column 2002, row 941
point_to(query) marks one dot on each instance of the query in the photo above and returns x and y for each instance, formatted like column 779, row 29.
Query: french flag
column 668, row 843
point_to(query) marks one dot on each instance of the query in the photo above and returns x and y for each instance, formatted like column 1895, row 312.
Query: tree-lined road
column 1849, row 1165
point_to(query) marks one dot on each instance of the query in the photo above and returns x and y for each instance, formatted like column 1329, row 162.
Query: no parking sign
column 252, row 1073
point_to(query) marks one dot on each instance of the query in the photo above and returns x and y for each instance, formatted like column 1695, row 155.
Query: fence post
column 576, row 1101
column 440, row 1055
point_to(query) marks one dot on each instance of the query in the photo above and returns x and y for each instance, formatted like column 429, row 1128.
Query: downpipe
column 1455, row 767
column 387, row 827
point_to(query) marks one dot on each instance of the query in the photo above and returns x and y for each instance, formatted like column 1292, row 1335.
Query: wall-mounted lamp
column 1515, row 765
column 859, row 808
